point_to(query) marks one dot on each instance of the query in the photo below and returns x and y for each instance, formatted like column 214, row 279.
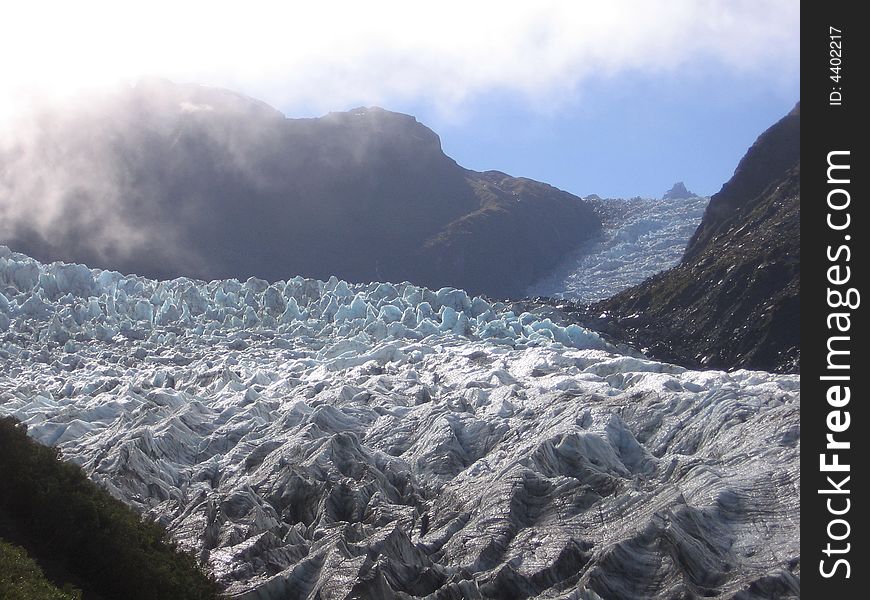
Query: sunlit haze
column 492, row 78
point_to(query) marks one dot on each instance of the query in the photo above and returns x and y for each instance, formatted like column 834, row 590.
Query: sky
column 618, row 98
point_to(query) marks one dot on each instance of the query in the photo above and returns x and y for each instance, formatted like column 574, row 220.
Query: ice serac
column 321, row 439
column 734, row 300
column 640, row 237
column 186, row 180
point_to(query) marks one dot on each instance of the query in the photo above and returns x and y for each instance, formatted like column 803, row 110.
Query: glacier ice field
column 311, row 439
column 639, row 238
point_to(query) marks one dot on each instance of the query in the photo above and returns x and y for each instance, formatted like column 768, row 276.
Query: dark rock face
column 678, row 191
column 514, row 233
column 734, row 301
column 167, row 180
column 773, row 154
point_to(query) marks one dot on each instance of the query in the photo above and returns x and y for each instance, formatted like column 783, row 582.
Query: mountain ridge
column 168, row 180
column 734, row 300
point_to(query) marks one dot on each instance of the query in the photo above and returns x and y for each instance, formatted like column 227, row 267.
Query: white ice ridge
column 75, row 305
column 325, row 440
column 640, row 238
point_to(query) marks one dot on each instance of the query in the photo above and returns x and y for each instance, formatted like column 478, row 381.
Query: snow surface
column 640, row 238
column 314, row 439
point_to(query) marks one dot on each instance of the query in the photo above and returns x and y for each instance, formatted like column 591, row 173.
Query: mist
column 169, row 180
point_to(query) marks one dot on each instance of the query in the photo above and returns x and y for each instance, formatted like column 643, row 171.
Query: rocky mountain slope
column 312, row 439
column 734, row 300
column 168, row 180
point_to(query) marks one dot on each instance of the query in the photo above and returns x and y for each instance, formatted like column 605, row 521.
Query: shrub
column 68, row 518
column 22, row 579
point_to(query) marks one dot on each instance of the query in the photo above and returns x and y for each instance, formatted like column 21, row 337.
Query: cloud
column 324, row 56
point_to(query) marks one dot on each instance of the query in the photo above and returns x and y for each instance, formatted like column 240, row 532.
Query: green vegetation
column 63, row 517
column 22, row 579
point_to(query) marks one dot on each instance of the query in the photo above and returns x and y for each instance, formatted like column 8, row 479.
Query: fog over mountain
column 167, row 180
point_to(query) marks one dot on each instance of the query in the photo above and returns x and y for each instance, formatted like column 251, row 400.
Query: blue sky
column 618, row 98
column 633, row 136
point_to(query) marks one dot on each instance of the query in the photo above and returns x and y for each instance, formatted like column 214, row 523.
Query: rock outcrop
column 678, row 191
column 734, row 300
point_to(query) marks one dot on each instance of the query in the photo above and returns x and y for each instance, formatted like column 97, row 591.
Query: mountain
column 678, row 191
column 319, row 439
column 168, row 180
column 734, row 300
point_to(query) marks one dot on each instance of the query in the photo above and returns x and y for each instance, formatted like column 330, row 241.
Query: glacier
column 311, row 439
column 640, row 237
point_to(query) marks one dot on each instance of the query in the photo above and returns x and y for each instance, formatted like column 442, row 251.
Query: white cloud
column 334, row 54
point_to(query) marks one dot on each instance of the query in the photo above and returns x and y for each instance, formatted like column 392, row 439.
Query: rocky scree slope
column 734, row 300
column 174, row 180
column 312, row 439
